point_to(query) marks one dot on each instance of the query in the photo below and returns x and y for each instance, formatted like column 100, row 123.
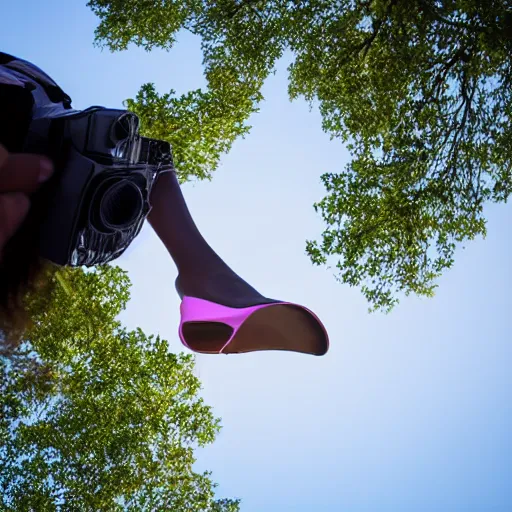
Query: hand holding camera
column 20, row 176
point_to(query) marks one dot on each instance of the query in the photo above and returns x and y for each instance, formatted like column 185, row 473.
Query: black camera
column 98, row 198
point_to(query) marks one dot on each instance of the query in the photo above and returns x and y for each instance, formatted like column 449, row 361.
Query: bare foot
column 220, row 286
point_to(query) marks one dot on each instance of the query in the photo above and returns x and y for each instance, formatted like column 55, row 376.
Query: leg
column 220, row 312
column 202, row 273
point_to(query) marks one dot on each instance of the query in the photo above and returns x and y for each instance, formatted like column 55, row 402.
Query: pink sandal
column 210, row 328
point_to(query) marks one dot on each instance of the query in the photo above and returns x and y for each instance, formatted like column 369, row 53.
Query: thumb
column 13, row 209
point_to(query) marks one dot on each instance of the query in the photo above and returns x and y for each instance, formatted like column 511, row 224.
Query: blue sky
column 410, row 411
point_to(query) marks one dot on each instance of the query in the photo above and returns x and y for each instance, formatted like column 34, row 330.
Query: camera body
column 105, row 170
column 97, row 200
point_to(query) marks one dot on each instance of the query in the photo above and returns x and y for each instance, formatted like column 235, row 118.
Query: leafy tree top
column 420, row 91
column 96, row 417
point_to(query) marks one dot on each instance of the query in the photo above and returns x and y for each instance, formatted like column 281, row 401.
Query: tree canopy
column 96, row 417
column 418, row 90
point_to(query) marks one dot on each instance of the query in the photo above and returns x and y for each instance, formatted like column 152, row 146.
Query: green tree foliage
column 420, row 90
column 96, row 417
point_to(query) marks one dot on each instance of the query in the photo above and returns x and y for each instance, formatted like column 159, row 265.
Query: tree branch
column 456, row 24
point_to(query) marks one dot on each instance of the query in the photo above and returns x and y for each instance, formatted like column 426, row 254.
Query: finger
column 13, row 209
column 23, row 173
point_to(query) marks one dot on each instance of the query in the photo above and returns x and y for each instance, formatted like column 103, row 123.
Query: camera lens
column 116, row 206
